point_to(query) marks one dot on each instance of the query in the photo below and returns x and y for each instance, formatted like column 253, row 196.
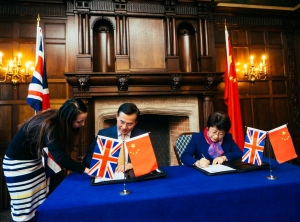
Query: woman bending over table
column 22, row 165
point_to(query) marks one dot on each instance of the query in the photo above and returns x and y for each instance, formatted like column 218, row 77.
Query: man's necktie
column 121, row 160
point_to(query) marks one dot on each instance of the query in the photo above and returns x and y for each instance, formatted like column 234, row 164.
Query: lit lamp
column 254, row 72
column 13, row 71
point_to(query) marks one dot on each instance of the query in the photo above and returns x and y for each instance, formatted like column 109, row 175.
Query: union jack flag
column 38, row 93
column 254, row 146
column 51, row 167
column 105, row 157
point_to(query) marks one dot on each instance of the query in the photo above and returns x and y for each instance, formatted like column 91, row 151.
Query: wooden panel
column 246, row 109
column 241, row 57
column 279, row 87
column 7, row 49
column 28, row 53
column 257, row 37
column 276, row 67
column 147, row 46
column 55, row 31
column 56, row 60
column 57, row 90
column 220, row 56
column 263, row 119
column 5, row 125
column 22, row 91
column 260, row 88
column 5, row 91
column 239, row 37
column 280, row 108
column 27, row 30
column 6, row 29
column 24, row 113
column 219, row 35
column 275, row 38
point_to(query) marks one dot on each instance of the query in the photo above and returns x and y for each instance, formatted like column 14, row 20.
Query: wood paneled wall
column 273, row 102
column 265, row 105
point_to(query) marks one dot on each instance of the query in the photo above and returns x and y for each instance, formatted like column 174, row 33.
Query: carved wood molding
column 111, row 84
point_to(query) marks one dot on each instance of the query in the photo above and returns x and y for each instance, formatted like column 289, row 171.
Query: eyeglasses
column 218, row 133
column 126, row 124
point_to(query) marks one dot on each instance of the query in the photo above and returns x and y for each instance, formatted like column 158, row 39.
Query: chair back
column 181, row 144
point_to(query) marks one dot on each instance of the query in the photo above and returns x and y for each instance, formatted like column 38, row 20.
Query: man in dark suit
column 127, row 117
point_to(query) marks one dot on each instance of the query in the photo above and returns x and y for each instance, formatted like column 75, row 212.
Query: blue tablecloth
column 185, row 194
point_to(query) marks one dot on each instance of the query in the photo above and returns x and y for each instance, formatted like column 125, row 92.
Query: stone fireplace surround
column 181, row 106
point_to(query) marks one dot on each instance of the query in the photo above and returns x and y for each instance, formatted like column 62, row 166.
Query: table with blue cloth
column 184, row 194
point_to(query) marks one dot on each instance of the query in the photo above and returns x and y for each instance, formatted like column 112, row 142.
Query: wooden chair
column 181, row 143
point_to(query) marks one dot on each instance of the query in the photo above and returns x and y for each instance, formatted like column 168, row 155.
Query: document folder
column 236, row 166
column 130, row 177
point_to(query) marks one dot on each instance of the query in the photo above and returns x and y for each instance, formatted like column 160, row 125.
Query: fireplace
column 165, row 116
column 170, row 103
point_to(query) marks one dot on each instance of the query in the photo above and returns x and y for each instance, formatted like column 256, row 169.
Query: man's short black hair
column 129, row 109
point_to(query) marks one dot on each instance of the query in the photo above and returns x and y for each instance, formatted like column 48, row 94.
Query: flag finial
column 38, row 20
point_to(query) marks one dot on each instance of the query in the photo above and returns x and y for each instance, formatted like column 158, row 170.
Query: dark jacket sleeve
column 60, row 156
column 89, row 153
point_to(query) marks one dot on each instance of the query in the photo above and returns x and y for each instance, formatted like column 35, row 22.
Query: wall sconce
column 13, row 71
column 254, row 72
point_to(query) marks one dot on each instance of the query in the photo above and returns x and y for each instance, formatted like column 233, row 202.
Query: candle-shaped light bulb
column 263, row 60
column 10, row 65
column 1, row 54
column 260, row 67
column 245, row 68
column 27, row 68
column 19, row 58
column 251, row 60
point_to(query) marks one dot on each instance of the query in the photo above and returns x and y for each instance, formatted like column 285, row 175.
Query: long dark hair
column 42, row 125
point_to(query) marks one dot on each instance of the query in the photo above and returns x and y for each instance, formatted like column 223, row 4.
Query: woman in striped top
column 23, row 169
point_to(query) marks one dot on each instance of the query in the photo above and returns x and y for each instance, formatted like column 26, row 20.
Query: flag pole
column 124, row 191
column 270, row 177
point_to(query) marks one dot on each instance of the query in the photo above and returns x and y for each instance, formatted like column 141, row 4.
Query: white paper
column 217, row 168
column 117, row 176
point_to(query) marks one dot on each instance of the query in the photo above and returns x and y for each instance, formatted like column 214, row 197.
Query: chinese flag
column 231, row 96
column 282, row 144
column 141, row 154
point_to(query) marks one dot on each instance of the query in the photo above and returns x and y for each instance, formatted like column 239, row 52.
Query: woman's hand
column 203, row 162
column 86, row 170
column 219, row 160
column 120, row 168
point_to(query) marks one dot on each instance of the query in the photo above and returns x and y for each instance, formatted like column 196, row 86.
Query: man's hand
column 120, row 168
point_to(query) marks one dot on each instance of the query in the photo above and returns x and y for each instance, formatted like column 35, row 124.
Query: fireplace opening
column 163, row 131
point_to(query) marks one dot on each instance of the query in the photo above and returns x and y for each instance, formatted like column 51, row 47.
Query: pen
column 203, row 156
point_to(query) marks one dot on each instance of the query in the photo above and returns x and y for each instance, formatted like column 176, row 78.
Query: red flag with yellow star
column 141, row 154
column 282, row 144
column 231, row 96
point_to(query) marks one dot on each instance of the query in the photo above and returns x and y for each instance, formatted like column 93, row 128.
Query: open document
column 236, row 166
column 218, row 168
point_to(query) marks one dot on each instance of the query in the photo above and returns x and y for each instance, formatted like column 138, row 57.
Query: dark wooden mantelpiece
column 93, row 84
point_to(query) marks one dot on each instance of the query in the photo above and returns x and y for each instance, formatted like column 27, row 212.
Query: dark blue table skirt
column 183, row 195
